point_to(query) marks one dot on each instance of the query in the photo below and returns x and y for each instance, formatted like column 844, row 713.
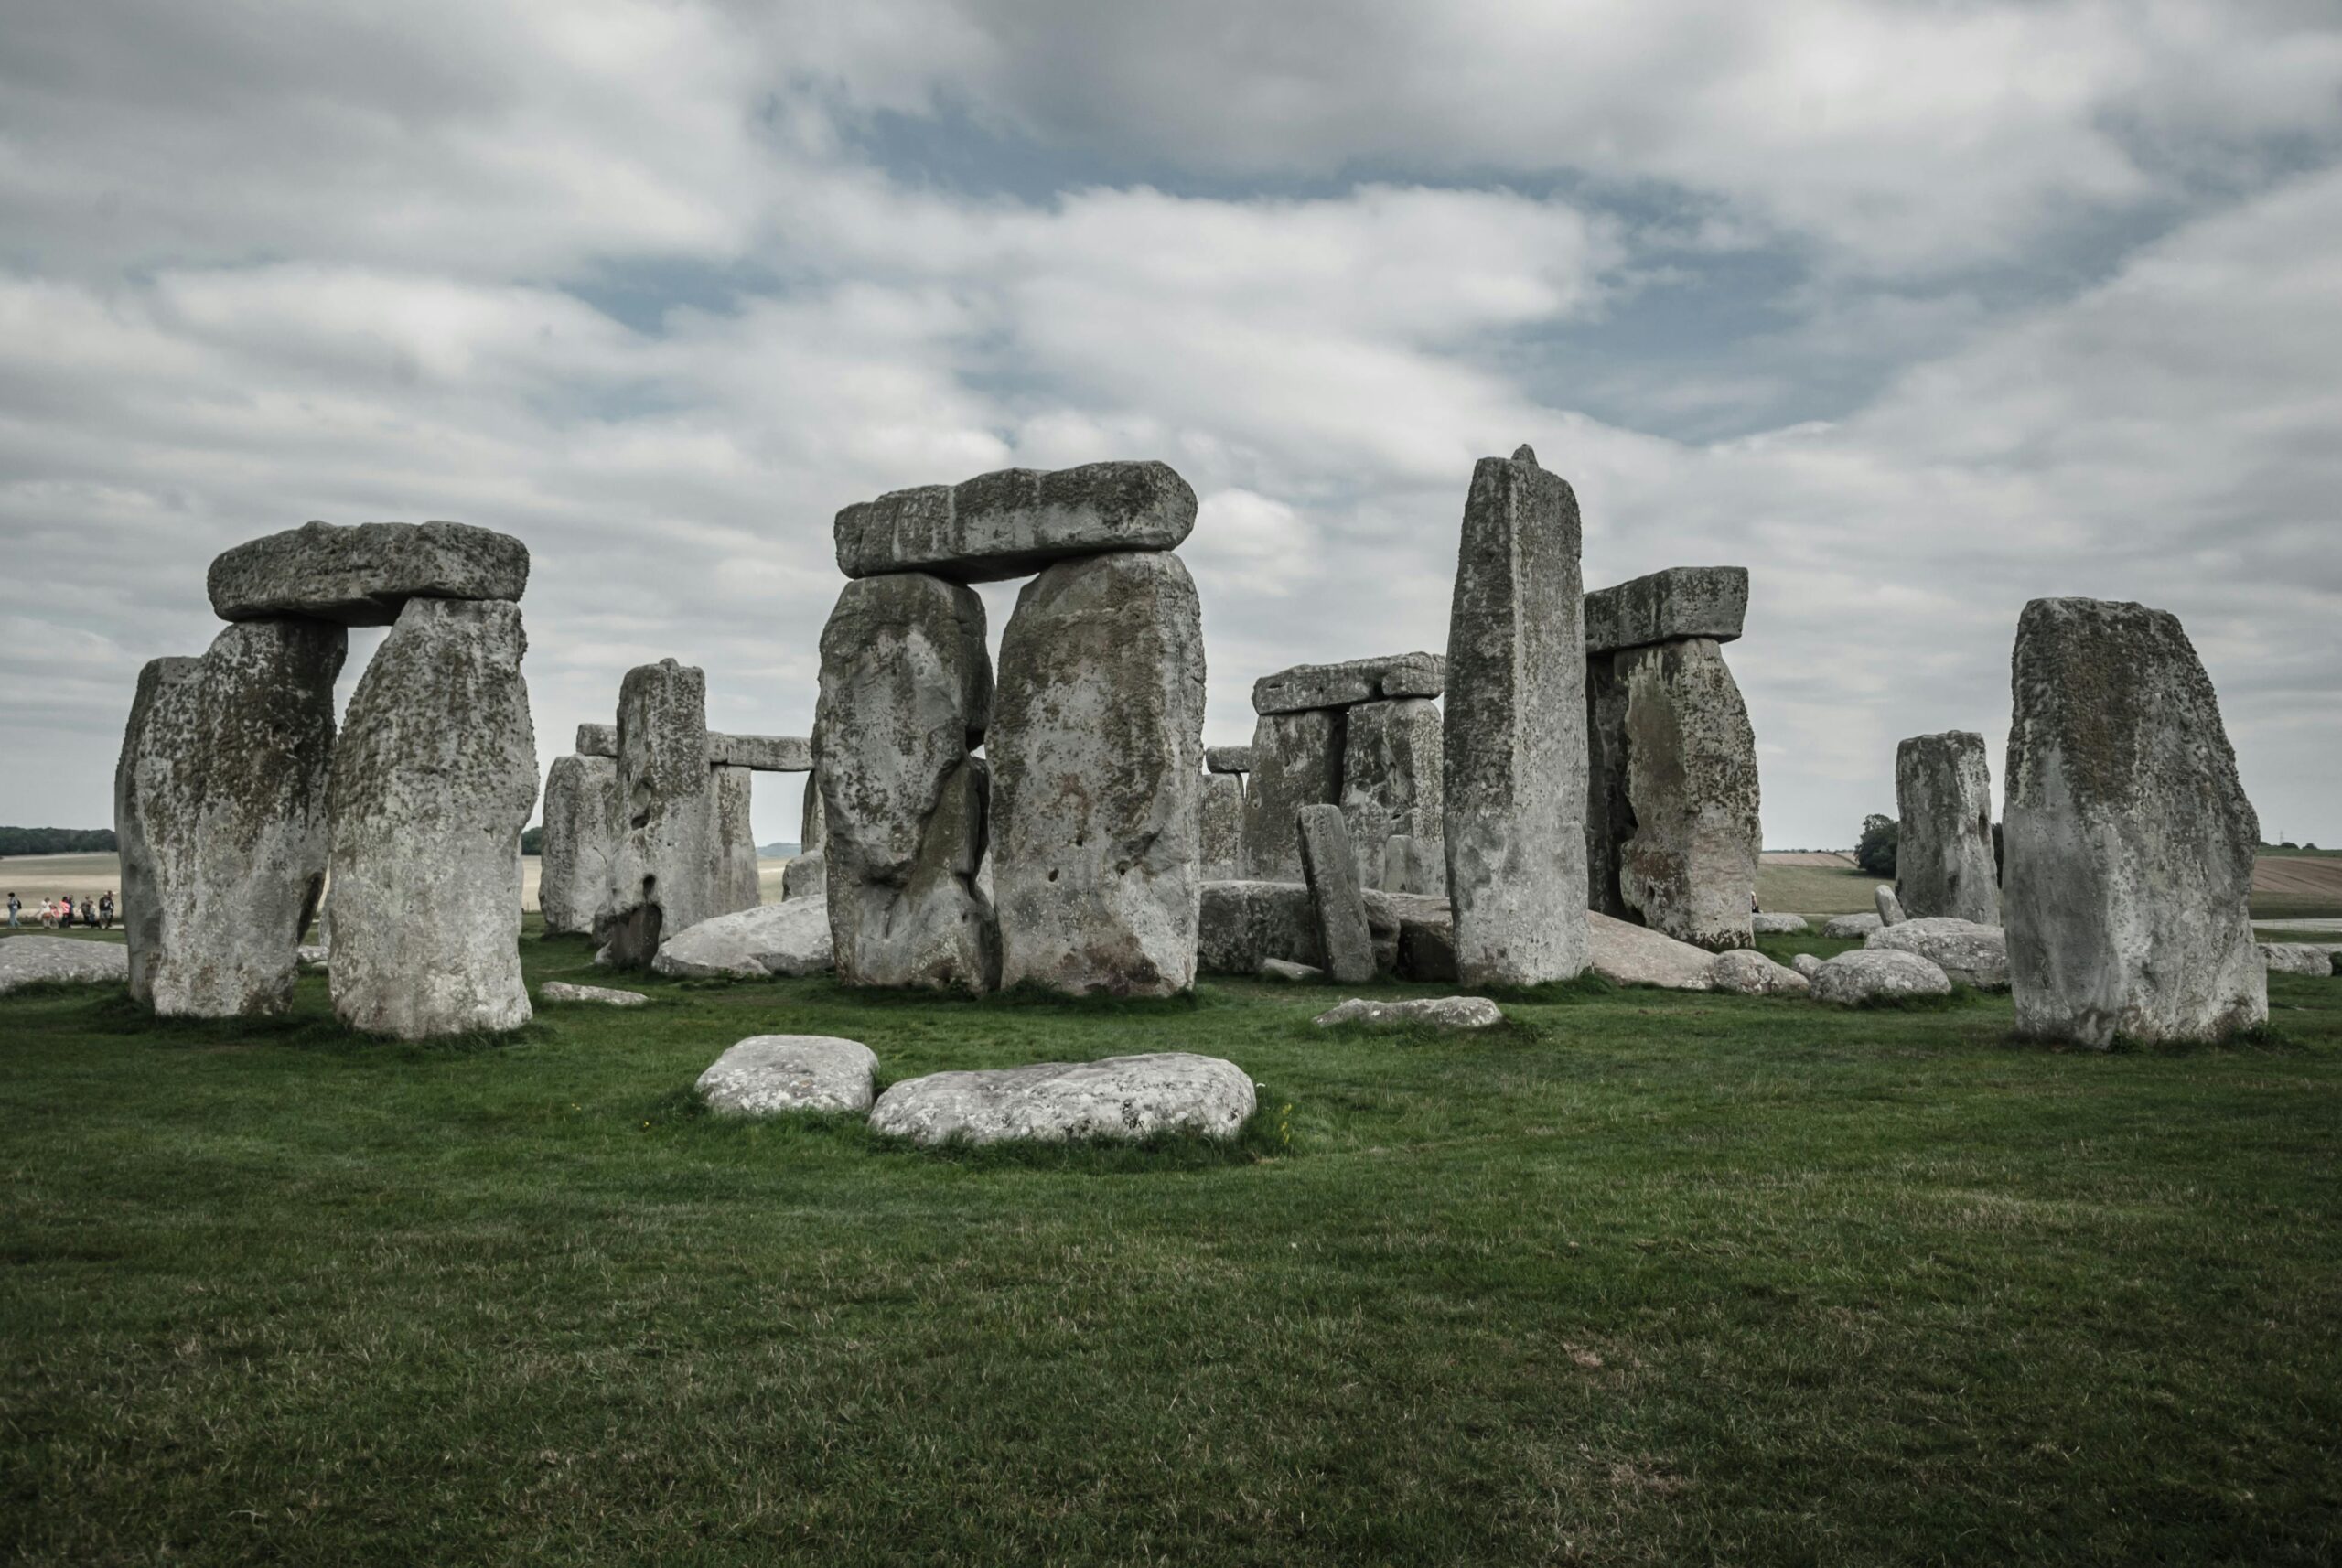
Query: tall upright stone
column 907, row 690
column 432, row 782
column 1297, row 762
column 814, row 817
column 1944, row 864
column 733, row 872
column 1514, row 739
column 1222, row 827
column 2130, row 840
column 1329, row 866
column 1690, row 867
column 1391, row 783
column 1097, row 755
column 662, row 877
column 220, row 811
column 580, row 840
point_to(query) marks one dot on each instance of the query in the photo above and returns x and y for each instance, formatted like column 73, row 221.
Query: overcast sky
column 1918, row 310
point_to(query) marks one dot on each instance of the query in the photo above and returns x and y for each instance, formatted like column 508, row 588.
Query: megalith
column 1514, row 737
column 1944, row 864
column 1297, row 762
column 221, row 815
column 1329, row 866
column 2130, row 840
column 1097, row 760
column 662, row 877
column 1016, row 521
column 1390, row 768
column 364, row 574
column 1222, row 827
column 907, row 690
column 733, row 878
column 435, row 776
column 580, row 838
column 1689, row 866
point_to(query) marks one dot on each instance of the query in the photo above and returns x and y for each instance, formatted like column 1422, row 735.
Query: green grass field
column 1647, row 1278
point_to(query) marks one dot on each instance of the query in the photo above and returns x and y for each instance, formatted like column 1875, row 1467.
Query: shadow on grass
column 119, row 1016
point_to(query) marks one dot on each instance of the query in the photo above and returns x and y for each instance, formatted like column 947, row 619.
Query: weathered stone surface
column 773, row 1074
column 787, row 939
column 1514, row 744
column 1220, row 827
column 1291, row 973
column 662, row 872
column 1779, row 925
column 806, row 876
column 581, row 821
column 1297, row 762
column 1241, row 923
column 600, row 995
column 1097, row 758
column 1390, row 768
column 1629, row 954
column 1689, row 865
column 1609, row 814
column 1425, row 1012
column 1890, row 908
column 1875, row 974
column 2295, row 958
column 1943, row 860
column 906, row 683
column 1018, row 521
column 2130, row 840
column 434, row 780
column 36, row 960
column 814, row 824
column 1682, row 602
column 735, row 880
column 364, row 575
column 1120, row 1098
column 1416, row 866
column 1308, row 686
column 1748, row 973
column 1851, row 928
column 1228, row 759
column 1805, row 963
column 314, row 955
column 219, row 812
column 1329, row 868
column 1970, row 953
column 598, row 740
column 763, row 753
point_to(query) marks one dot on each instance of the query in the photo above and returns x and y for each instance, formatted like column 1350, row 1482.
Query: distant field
column 47, row 876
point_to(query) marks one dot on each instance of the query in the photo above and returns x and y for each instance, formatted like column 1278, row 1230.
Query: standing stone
column 732, row 873
column 434, row 780
column 1609, row 813
column 580, row 838
column 1222, row 827
column 813, row 820
column 807, row 876
column 661, row 877
column 1944, row 864
column 906, row 690
column 1097, row 753
column 1297, row 762
column 1890, row 908
column 1690, row 868
column 1016, row 521
column 219, row 812
column 1412, row 865
column 1391, row 767
column 2130, row 839
column 1514, row 746
column 1330, row 868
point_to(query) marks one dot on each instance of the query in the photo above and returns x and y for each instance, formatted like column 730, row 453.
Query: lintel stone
column 1679, row 602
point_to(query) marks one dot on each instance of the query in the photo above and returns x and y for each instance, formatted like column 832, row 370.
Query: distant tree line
column 56, row 840
column 1874, row 851
column 532, row 840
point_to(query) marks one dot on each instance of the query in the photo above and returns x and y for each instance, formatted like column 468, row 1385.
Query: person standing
column 105, row 912
column 15, row 906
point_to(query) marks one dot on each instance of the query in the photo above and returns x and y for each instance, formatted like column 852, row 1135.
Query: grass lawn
column 1648, row 1278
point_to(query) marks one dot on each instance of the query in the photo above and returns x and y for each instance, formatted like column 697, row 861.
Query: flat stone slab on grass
column 364, row 574
column 1969, row 952
column 29, row 961
column 1016, row 521
column 1290, row 973
column 1429, row 1012
column 1629, row 954
column 1310, row 686
column 1875, row 974
column 788, row 940
column 772, row 1074
column 2296, row 958
column 1852, row 927
column 1748, row 973
column 562, row 990
column 1780, row 925
column 1123, row 1099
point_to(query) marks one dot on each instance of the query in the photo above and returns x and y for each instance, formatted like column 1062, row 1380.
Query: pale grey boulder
column 760, row 752
column 777, row 1075
column 1745, row 971
column 1514, row 740
column 1097, row 759
column 1017, row 522
column 1415, row 865
column 580, row 843
column 785, row 941
column 1297, row 762
column 597, row 995
column 662, row 868
column 1766, row 925
column 1228, row 759
column 1424, row 1012
column 2129, row 841
column 37, row 960
column 1391, row 781
column 433, row 779
column 1308, row 686
column 1972, row 953
column 221, row 817
column 2295, row 958
column 1629, row 954
column 1890, row 908
column 1291, row 973
column 1689, row 868
column 734, row 872
column 597, row 740
column 314, row 955
column 1877, row 974
column 1329, row 869
column 1805, row 963
column 1123, row 1099
column 365, row 575
column 1219, row 827
column 1851, row 928
column 1682, row 602
column 1944, row 864
column 806, row 876
column 907, row 689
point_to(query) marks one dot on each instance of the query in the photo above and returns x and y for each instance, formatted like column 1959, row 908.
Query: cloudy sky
column 1918, row 310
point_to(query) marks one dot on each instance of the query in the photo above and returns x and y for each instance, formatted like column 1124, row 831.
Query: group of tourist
column 59, row 911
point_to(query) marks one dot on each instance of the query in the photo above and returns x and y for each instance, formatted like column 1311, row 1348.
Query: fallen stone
column 1308, row 686
column 1015, row 523
column 1805, row 963
column 1681, row 602
column 1124, row 1098
column 1514, row 739
column 1097, row 753
column 1390, row 768
column 1240, row 924
column 1292, row 973
column 1873, row 974
column 1851, row 928
column 597, row 740
column 1329, row 868
column 1629, row 954
column 364, row 575
column 1429, row 1012
column 1297, row 762
column 1970, row 953
column 1890, row 908
column 1689, row 865
column 1943, row 860
column 37, row 960
column 1219, row 829
column 314, row 955
column 734, row 873
column 2296, row 958
column 763, row 753
column 777, row 1075
column 580, row 842
column 1779, row 925
column 433, row 779
column 663, row 869
column 1228, row 759
column 786, row 940
column 806, row 876
column 221, row 817
column 1748, row 973
column 601, row 996
column 2130, row 839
